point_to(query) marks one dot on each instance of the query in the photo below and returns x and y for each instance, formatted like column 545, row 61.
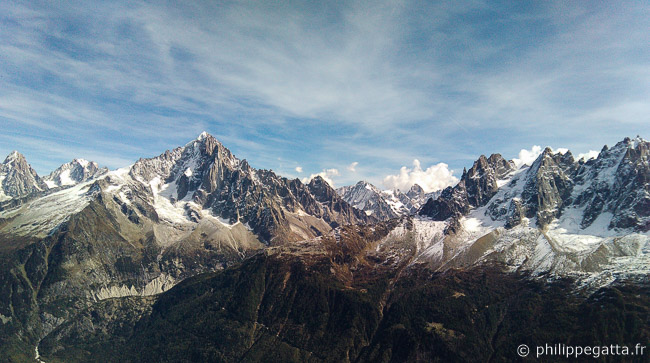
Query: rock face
column 548, row 186
column 72, row 173
column 336, row 210
column 418, row 197
column 17, row 178
column 614, row 186
column 475, row 189
column 384, row 204
column 367, row 197
column 617, row 182
column 205, row 175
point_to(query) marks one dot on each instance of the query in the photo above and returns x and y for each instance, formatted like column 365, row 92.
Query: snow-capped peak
column 382, row 204
column 73, row 173
column 83, row 162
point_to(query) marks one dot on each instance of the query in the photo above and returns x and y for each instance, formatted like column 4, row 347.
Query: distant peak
column 13, row 156
column 82, row 162
column 204, row 135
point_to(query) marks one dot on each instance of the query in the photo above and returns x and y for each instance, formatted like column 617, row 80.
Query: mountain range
column 385, row 204
column 239, row 263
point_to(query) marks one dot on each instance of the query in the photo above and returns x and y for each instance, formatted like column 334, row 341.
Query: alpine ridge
column 97, row 261
column 613, row 186
column 385, row 204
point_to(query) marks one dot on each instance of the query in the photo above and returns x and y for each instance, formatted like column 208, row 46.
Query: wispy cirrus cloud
column 325, row 84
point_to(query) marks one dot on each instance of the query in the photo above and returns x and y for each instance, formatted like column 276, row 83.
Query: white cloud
column 352, row 167
column 591, row 154
column 526, row 157
column 435, row 177
column 270, row 64
column 299, row 169
column 326, row 174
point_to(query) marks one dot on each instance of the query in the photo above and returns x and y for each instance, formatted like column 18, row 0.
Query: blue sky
column 317, row 86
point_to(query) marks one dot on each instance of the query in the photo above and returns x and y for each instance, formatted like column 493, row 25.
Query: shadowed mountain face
column 194, row 255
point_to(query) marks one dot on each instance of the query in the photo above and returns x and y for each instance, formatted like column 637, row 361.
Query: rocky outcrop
column 416, row 192
column 548, row 186
column 418, row 197
column 336, row 211
column 476, row 187
column 156, row 286
column 18, row 179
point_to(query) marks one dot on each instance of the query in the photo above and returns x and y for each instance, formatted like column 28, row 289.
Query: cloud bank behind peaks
column 526, row 157
column 592, row 154
column 326, row 174
column 435, row 177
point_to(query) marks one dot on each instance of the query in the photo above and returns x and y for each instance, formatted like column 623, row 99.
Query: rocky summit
column 194, row 255
column 18, row 178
